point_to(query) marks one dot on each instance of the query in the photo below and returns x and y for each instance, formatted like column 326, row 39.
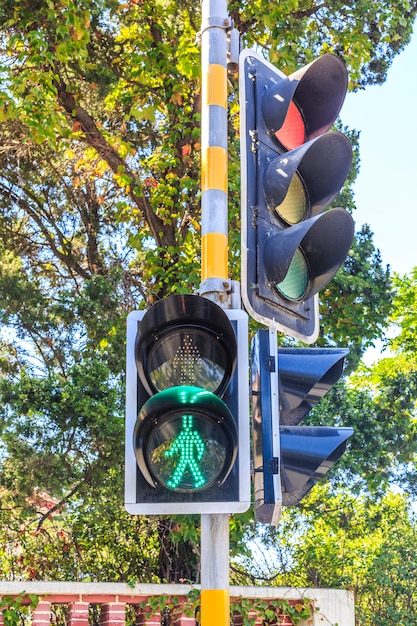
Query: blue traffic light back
column 284, row 473
column 265, row 425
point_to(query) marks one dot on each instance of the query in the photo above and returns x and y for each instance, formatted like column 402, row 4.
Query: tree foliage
column 100, row 214
column 342, row 540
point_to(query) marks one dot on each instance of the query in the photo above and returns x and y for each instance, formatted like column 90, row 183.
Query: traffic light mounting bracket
column 266, row 434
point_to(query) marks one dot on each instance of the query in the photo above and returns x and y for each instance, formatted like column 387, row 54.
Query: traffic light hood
column 318, row 90
column 322, row 164
column 305, row 376
column 307, row 453
column 185, row 340
column 324, row 241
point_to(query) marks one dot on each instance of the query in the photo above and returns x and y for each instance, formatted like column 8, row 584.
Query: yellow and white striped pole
column 214, row 218
column 215, row 284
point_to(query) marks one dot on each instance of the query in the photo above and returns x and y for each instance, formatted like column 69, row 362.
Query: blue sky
column 385, row 191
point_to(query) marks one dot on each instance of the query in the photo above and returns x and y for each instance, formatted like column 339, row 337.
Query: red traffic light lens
column 293, row 131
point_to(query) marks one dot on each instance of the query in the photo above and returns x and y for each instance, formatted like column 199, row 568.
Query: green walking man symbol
column 190, row 447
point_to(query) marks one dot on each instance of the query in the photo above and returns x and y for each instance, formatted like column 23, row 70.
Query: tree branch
column 162, row 233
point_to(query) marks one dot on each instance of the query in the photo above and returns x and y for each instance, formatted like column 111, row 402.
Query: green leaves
column 354, row 306
column 368, row 36
column 100, row 214
column 404, row 316
column 13, row 609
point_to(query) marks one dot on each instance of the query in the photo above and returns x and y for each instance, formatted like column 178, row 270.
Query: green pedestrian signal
column 189, row 446
column 185, row 439
column 187, row 409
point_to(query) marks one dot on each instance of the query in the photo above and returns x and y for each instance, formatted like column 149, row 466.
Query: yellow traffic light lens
column 293, row 209
column 295, row 283
column 188, row 357
column 293, row 131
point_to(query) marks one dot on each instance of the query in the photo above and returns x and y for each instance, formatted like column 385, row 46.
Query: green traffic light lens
column 295, row 283
column 187, row 357
column 293, row 209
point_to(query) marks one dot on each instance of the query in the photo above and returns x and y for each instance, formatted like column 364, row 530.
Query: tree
column 99, row 214
column 358, row 529
column 342, row 539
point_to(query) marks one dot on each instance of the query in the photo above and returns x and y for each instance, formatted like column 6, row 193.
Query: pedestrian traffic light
column 187, row 408
column 292, row 168
column 286, row 385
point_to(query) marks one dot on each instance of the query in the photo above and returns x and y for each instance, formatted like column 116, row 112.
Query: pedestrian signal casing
column 187, row 409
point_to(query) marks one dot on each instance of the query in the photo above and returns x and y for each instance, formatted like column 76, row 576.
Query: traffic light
column 289, row 459
column 292, row 168
column 187, row 408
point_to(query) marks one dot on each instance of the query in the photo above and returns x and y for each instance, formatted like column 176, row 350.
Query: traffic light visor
column 304, row 105
column 302, row 183
column 307, row 453
column 302, row 260
column 186, row 340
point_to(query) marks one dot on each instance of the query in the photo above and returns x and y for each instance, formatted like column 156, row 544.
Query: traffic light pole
column 215, row 284
column 214, row 245
column 215, row 602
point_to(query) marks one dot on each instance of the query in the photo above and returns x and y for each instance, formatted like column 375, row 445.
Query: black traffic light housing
column 292, row 167
column 187, row 408
column 289, row 459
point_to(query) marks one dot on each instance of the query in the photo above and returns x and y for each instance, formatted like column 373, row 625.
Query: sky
column 386, row 116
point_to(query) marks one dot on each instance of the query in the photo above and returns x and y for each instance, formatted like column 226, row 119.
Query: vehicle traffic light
column 292, row 168
column 187, row 408
column 289, row 459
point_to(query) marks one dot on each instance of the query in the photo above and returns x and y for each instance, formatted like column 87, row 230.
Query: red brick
column 113, row 614
column 78, row 614
column 42, row 614
column 146, row 619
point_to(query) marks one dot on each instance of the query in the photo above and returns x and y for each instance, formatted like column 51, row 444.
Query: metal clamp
column 215, row 22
